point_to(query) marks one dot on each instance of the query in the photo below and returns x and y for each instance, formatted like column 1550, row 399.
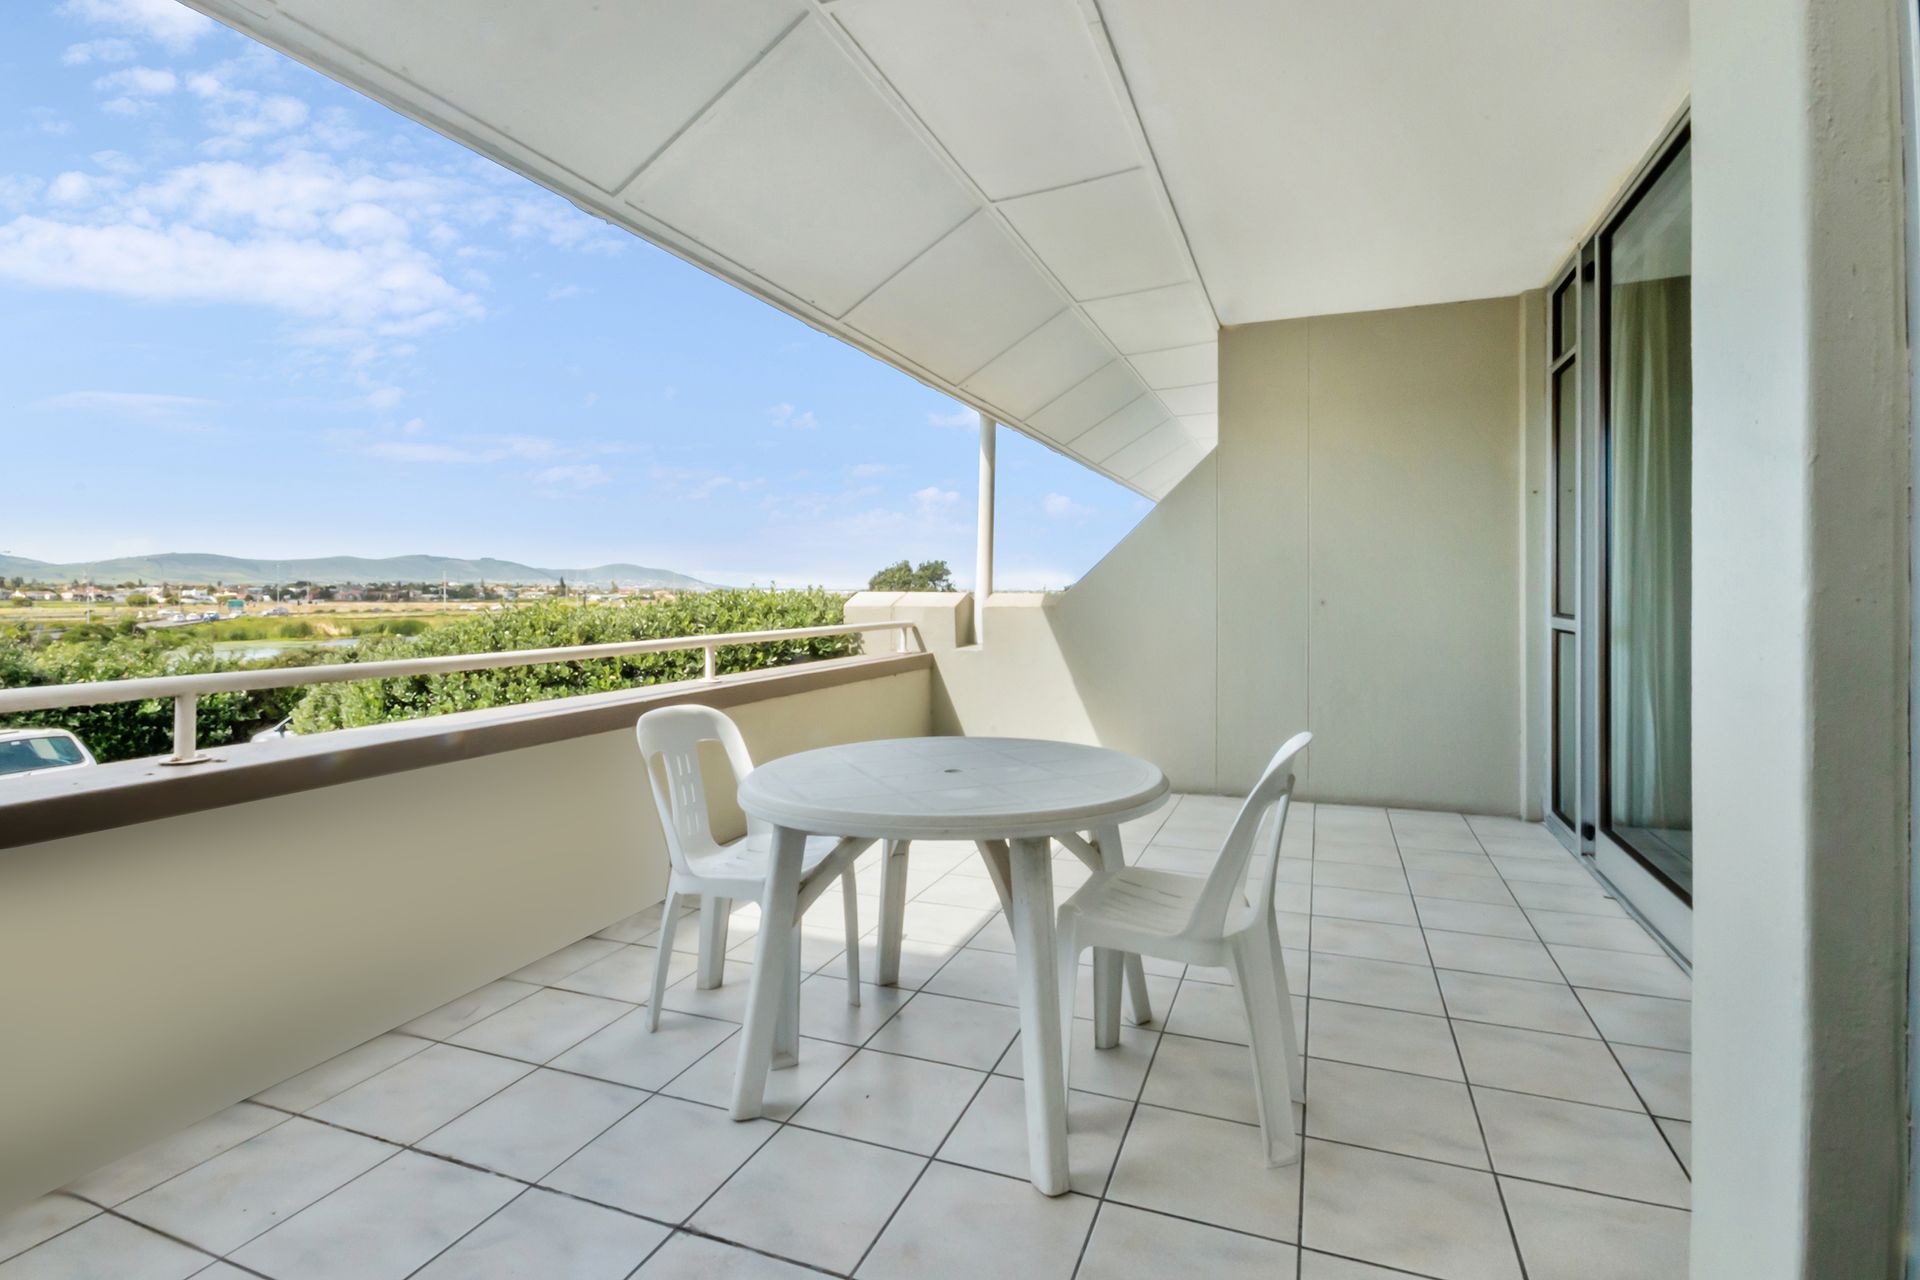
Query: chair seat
column 747, row 858
column 1140, row 910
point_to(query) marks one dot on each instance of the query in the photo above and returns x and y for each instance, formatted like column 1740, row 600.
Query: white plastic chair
column 1224, row 918
column 716, row 873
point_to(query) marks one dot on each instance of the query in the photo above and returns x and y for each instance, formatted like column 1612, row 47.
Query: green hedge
column 556, row 624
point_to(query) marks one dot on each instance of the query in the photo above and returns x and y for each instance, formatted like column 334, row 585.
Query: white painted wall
column 160, row 971
column 1350, row 561
column 1800, row 693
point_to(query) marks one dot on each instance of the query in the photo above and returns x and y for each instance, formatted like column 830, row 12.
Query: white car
column 25, row 751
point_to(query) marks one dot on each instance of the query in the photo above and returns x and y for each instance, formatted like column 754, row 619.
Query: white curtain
column 1650, row 592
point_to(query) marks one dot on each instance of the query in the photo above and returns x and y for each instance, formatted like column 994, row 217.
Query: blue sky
column 244, row 310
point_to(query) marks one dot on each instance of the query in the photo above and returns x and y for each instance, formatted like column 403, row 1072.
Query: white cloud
column 1059, row 506
column 381, row 399
column 50, row 121
column 72, row 188
column 785, row 415
column 586, row 475
column 112, row 49
column 960, row 417
column 548, row 217
column 933, row 500
column 139, row 404
column 420, row 451
column 239, row 117
column 867, row 470
column 167, row 23
column 144, row 82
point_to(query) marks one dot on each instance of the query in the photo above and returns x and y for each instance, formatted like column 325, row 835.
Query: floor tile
column 408, row 1101
column 627, row 1053
column 233, row 1197
column 531, row 1126
column 1384, row 984
column 1119, row 1072
column 1461, row 888
column 544, row 1236
column 1392, row 1111
column 1210, row 1170
column 1133, row 1244
column 632, row 928
column 1503, row 957
column 1370, row 941
column 1613, row 1152
column 1589, row 898
column 1356, row 875
column 1324, row 1266
column 978, row 975
column 1532, row 870
column 1553, row 1066
column 811, row 1197
column 1490, row 919
column 38, row 1220
column 663, row 1160
column 1372, row 853
column 1208, row 1010
column 105, row 1246
column 1608, row 933
column 826, row 1015
column 965, row 1033
column 627, row 974
column 992, row 1134
column 1208, row 1076
column 1680, row 1138
column 1663, row 1078
column 550, row 969
column 1449, row 862
column 728, row 1001
column 337, row 1074
column 898, row 1102
column 1388, row 1038
column 162, row 1160
column 1019, row 1233
column 1431, row 1218
column 543, row 1026
column 1574, row 1235
column 1515, row 1002
column 383, row 1225
column 458, row 1014
column 710, row 1080
column 1364, row 904
column 693, row 1258
column 1622, row 971
column 1647, row 1020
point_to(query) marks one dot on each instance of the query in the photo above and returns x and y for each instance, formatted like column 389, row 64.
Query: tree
column 932, row 575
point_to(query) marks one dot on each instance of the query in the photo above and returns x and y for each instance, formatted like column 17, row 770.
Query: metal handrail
column 186, row 690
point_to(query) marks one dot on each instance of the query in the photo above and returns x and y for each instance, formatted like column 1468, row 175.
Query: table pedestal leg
column 769, row 992
column 1041, row 1053
column 893, row 908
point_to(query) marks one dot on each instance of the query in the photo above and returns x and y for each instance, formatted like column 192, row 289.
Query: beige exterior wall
column 160, row 971
column 1351, row 560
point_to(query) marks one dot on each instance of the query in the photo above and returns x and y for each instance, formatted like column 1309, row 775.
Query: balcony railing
column 186, row 690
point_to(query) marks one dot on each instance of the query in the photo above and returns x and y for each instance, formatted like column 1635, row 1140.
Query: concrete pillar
column 1800, row 657
column 983, row 546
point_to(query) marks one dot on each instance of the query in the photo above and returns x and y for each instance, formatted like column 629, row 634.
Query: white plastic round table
column 1011, row 796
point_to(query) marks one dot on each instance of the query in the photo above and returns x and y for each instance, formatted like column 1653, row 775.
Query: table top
column 952, row 789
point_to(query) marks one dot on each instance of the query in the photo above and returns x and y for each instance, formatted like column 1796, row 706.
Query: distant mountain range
column 197, row 567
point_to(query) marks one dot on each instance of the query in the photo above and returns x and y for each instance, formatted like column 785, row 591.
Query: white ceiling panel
column 1088, row 401
column 1120, row 429
column 1176, row 316
column 1148, row 449
column 1204, row 398
column 1157, row 479
column 1014, row 89
column 1104, row 237
column 502, row 63
column 1337, row 157
column 1180, row 366
column 1040, row 366
column 964, row 301
column 805, row 175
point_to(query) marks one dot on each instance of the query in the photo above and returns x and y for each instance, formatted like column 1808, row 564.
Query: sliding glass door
column 1620, row 632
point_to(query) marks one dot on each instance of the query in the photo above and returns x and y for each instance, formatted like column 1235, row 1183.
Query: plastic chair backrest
column 1251, row 841
column 673, row 736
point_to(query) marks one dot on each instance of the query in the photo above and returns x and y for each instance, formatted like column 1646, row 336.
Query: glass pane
column 1564, row 329
column 1649, row 439
column 1566, row 507
column 1566, row 726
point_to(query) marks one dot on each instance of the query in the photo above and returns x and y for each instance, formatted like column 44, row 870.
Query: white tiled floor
column 1497, row 1086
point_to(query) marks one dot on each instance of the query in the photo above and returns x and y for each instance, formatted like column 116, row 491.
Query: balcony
column 1497, row 1071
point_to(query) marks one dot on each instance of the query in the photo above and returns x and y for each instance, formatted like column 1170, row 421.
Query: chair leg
column 662, row 953
column 1106, row 997
column 850, row 896
column 714, row 914
column 1068, row 947
column 893, row 909
column 1271, row 1040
